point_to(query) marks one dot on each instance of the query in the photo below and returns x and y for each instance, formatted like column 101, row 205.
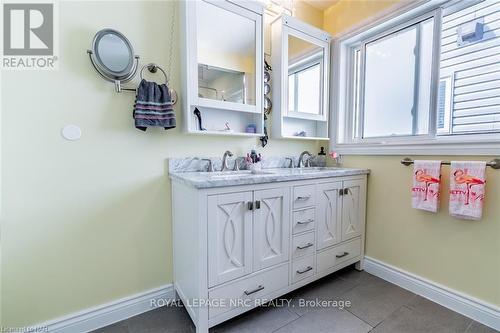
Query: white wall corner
column 106, row 314
column 483, row 312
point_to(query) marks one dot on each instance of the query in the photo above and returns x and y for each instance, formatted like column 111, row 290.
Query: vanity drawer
column 338, row 254
column 303, row 220
column 303, row 268
column 304, row 196
column 243, row 291
column 303, row 245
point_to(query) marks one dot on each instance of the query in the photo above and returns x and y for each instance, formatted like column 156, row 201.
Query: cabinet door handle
column 305, row 197
column 304, row 270
column 306, row 221
column 259, row 288
column 250, row 205
column 346, row 191
column 257, row 204
column 301, row 247
column 342, row 255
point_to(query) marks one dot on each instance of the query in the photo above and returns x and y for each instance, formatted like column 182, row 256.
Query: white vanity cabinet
column 236, row 246
column 249, row 232
column 340, row 204
column 329, row 217
column 229, row 236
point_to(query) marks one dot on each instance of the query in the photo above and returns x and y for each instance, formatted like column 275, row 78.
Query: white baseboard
column 107, row 314
column 487, row 314
column 110, row 313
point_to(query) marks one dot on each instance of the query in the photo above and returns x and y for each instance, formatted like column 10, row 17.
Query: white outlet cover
column 71, row 132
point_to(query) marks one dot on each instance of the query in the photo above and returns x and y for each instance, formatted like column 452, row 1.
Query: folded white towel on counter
column 426, row 185
column 467, row 189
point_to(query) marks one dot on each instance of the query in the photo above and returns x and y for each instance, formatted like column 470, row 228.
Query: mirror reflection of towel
column 153, row 106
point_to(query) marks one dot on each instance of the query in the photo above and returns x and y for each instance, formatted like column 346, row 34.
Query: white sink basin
column 237, row 174
column 307, row 170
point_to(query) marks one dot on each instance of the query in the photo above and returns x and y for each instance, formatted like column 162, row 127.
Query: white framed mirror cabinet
column 300, row 60
column 223, row 67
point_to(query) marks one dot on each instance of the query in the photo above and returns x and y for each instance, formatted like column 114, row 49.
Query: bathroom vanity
column 241, row 238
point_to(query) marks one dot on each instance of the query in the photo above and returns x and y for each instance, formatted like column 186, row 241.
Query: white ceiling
column 321, row 4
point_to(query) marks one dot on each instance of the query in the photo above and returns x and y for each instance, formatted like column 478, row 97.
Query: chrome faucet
column 224, row 160
column 301, row 162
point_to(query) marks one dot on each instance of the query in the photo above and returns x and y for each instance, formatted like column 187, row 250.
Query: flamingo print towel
column 426, row 183
column 467, row 185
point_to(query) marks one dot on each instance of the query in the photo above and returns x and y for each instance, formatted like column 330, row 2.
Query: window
column 444, row 106
column 307, row 81
column 305, row 72
column 430, row 76
column 396, row 82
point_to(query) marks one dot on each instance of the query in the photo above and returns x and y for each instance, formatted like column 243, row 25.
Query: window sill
column 435, row 147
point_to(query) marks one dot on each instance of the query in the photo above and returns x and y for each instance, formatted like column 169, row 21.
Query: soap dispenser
column 321, row 158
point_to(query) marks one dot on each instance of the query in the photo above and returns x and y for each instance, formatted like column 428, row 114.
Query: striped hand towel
column 153, row 106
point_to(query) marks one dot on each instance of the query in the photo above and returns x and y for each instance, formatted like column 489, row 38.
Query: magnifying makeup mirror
column 112, row 55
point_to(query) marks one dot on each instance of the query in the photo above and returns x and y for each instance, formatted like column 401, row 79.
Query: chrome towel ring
column 153, row 68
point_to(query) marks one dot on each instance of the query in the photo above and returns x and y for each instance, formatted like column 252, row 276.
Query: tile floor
column 376, row 306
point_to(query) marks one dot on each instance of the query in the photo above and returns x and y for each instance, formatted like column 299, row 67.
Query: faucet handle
column 308, row 161
column 210, row 165
column 237, row 164
column 290, row 166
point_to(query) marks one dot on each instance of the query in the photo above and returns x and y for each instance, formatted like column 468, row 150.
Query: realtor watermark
column 33, row 329
column 29, row 35
column 251, row 303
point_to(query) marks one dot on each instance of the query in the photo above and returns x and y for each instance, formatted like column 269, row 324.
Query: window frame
column 358, row 137
column 344, row 119
column 306, row 62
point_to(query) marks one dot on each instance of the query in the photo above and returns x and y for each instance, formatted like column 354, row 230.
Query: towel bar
column 494, row 163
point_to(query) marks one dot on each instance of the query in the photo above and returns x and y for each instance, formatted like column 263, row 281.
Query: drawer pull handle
column 304, row 270
column 259, row 288
column 304, row 246
column 303, row 197
column 306, row 221
column 342, row 255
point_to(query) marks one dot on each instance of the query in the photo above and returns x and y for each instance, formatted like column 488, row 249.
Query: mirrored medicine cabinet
column 223, row 67
column 300, row 60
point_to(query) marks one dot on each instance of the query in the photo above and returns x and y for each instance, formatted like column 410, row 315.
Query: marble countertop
column 246, row 177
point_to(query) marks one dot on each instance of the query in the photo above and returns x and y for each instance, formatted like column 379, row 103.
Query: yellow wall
column 461, row 255
column 346, row 13
column 86, row 222
column 308, row 13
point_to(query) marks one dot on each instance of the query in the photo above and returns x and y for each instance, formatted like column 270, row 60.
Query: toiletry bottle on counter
column 321, row 158
column 253, row 156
